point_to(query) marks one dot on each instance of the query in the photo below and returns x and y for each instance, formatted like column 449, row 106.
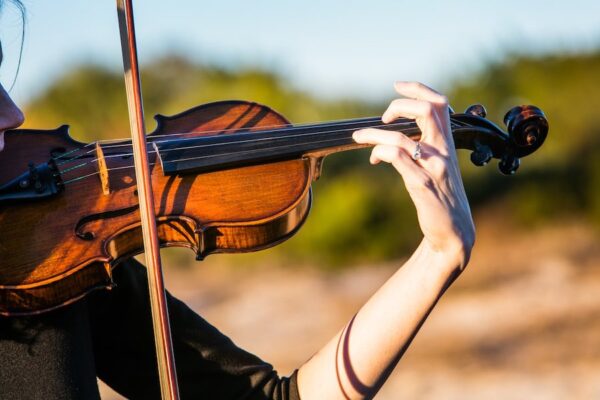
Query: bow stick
column 158, row 303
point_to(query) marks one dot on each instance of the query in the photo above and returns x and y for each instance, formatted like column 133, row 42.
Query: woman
column 108, row 334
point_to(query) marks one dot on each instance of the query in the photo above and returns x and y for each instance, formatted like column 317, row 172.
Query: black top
column 58, row 355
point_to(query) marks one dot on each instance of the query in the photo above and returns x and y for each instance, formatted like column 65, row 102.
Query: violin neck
column 209, row 153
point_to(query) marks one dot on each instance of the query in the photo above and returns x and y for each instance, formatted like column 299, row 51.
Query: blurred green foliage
column 92, row 98
column 362, row 213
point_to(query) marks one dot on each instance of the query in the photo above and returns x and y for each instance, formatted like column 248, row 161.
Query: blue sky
column 329, row 47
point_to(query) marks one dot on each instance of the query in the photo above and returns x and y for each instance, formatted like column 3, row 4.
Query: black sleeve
column 209, row 365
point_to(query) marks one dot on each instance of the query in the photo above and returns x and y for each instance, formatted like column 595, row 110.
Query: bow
column 158, row 303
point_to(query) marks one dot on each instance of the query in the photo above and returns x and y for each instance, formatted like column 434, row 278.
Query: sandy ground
column 522, row 322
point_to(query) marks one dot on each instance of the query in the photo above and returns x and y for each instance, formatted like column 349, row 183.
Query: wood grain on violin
column 238, row 179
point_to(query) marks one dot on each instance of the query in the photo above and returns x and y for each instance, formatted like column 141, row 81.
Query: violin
column 227, row 177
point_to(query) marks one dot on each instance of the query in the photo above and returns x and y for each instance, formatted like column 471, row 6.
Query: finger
column 411, row 172
column 425, row 116
column 388, row 138
column 393, row 154
column 379, row 136
column 419, row 91
column 408, row 108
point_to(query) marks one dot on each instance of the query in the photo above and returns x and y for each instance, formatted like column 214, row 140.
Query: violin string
column 263, row 129
column 231, row 143
column 252, row 140
column 152, row 138
column 206, row 156
column 69, row 181
column 71, row 152
column 201, row 157
column 192, row 137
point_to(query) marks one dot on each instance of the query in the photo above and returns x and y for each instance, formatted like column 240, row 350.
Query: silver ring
column 417, row 153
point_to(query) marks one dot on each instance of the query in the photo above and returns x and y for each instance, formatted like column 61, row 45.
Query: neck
column 208, row 153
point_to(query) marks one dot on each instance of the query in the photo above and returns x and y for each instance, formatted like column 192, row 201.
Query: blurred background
column 522, row 322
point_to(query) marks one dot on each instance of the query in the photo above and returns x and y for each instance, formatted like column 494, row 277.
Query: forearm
column 356, row 362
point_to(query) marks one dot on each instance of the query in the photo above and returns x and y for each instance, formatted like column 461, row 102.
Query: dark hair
column 21, row 8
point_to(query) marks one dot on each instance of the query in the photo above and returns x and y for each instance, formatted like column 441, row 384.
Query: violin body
column 54, row 251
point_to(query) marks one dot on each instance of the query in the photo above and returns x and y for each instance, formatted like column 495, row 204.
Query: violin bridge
column 102, row 169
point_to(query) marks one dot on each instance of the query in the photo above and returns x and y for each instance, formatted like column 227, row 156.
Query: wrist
column 451, row 258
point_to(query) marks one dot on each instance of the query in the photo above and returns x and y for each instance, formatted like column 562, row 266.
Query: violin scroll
column 527, row 125
column 527, row 129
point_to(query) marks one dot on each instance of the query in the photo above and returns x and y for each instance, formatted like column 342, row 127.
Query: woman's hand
column 356, row 362
column 433, row 180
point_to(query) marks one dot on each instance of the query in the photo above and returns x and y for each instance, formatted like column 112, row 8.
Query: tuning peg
column 481, row 155
column 476, row 109
column 509, row 164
